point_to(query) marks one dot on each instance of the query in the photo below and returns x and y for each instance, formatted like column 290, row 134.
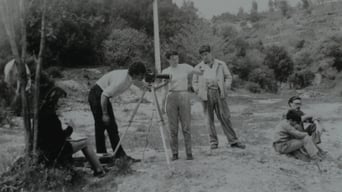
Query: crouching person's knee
column 307, row 139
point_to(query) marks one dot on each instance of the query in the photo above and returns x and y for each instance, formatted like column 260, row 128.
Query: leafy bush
column 74, row 33
column 303, row 60
column 241, row 66
column 301, row 79
column 331, row 48
column 125, row 46
column 253, row 87
column 192, row 36
column 264, row 78
column 279, row 61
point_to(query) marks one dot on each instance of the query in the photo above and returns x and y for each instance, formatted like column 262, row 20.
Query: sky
column 209, row 8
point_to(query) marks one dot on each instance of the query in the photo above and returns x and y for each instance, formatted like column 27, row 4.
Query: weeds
column 30, row 176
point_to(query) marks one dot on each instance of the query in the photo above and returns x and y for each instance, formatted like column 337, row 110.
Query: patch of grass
column 8, row 155
column 26, row 175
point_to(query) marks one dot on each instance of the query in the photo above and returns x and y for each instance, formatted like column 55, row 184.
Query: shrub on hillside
column 301, row 79
column 74, row 32
column 125, row 46
column 331, row 48
column 242, row 67
column 303, row 60
column 264, row 78
column 237, row 82
column 279, row 61
column 253, row 87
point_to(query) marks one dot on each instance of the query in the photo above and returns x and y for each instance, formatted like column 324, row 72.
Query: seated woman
column 53, row 141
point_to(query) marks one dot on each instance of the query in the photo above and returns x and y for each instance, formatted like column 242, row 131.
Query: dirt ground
column 257, row 168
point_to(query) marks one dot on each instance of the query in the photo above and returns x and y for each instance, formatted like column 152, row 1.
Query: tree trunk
column 8, row 22
column 37, row 80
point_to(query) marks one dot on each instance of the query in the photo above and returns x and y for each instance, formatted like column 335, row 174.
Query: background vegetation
column 270, row 48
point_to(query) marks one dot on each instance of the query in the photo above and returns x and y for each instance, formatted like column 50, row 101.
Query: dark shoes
column 238, row 145
column 99, row 174
column 174, row 157
column 131, row 159
column 189, row 157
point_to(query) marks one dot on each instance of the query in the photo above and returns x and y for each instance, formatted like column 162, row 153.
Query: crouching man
column 288, row 139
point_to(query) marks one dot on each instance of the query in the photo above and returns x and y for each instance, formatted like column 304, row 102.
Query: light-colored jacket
column 224, row 79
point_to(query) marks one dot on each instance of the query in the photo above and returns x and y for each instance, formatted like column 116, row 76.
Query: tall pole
column 156, row 36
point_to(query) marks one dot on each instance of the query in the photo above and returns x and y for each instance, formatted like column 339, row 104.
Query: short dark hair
column 170, row 53
column 293, row 98
column 293, row 115
column 137, row 68
column 204, row 48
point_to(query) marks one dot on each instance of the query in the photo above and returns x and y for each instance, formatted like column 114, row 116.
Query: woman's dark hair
column 50, row 100
column 137, row 68
column 293, row 115
column 293, row 98
column 170, row 53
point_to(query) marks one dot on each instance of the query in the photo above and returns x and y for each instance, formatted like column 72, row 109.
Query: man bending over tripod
column 109, row 86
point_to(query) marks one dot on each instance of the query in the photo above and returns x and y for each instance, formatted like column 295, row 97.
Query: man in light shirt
column 109, row 86
column 212, row 87
column 176, row 99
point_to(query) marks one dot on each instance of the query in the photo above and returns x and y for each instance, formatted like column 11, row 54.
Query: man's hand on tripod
column 105, row 119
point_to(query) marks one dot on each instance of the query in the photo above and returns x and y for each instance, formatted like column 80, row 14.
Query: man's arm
column 295, row 133
column 195, row 77
column 141, row 85
column 104, row 103
column 228, row 78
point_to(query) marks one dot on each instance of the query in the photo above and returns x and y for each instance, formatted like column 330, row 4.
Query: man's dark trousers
column 94, row 99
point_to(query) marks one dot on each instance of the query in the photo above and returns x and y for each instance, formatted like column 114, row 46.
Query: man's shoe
column 131, row 159
column 189, row 157
column 99, row 174
column 238, row 145
column 214, row 146
column 174, row 157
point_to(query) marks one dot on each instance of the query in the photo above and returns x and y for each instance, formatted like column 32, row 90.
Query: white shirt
column 115, row 83
column 179, row 77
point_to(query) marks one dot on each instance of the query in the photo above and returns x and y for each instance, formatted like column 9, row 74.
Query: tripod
column 161, row 128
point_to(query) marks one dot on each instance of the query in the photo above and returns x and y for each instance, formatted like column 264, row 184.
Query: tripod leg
column 161, row 128
column 129, row 123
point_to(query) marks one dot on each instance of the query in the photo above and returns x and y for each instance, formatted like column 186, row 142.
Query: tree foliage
column 192, row 36
column 331, row 48
column 124, row 46
column 279, row 61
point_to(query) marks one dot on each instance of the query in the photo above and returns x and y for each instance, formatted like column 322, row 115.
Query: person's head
column 295, row 102
column 49, row 104
column 172, row 57
column 137, row 71
column 205, row 53
column 293, row 117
